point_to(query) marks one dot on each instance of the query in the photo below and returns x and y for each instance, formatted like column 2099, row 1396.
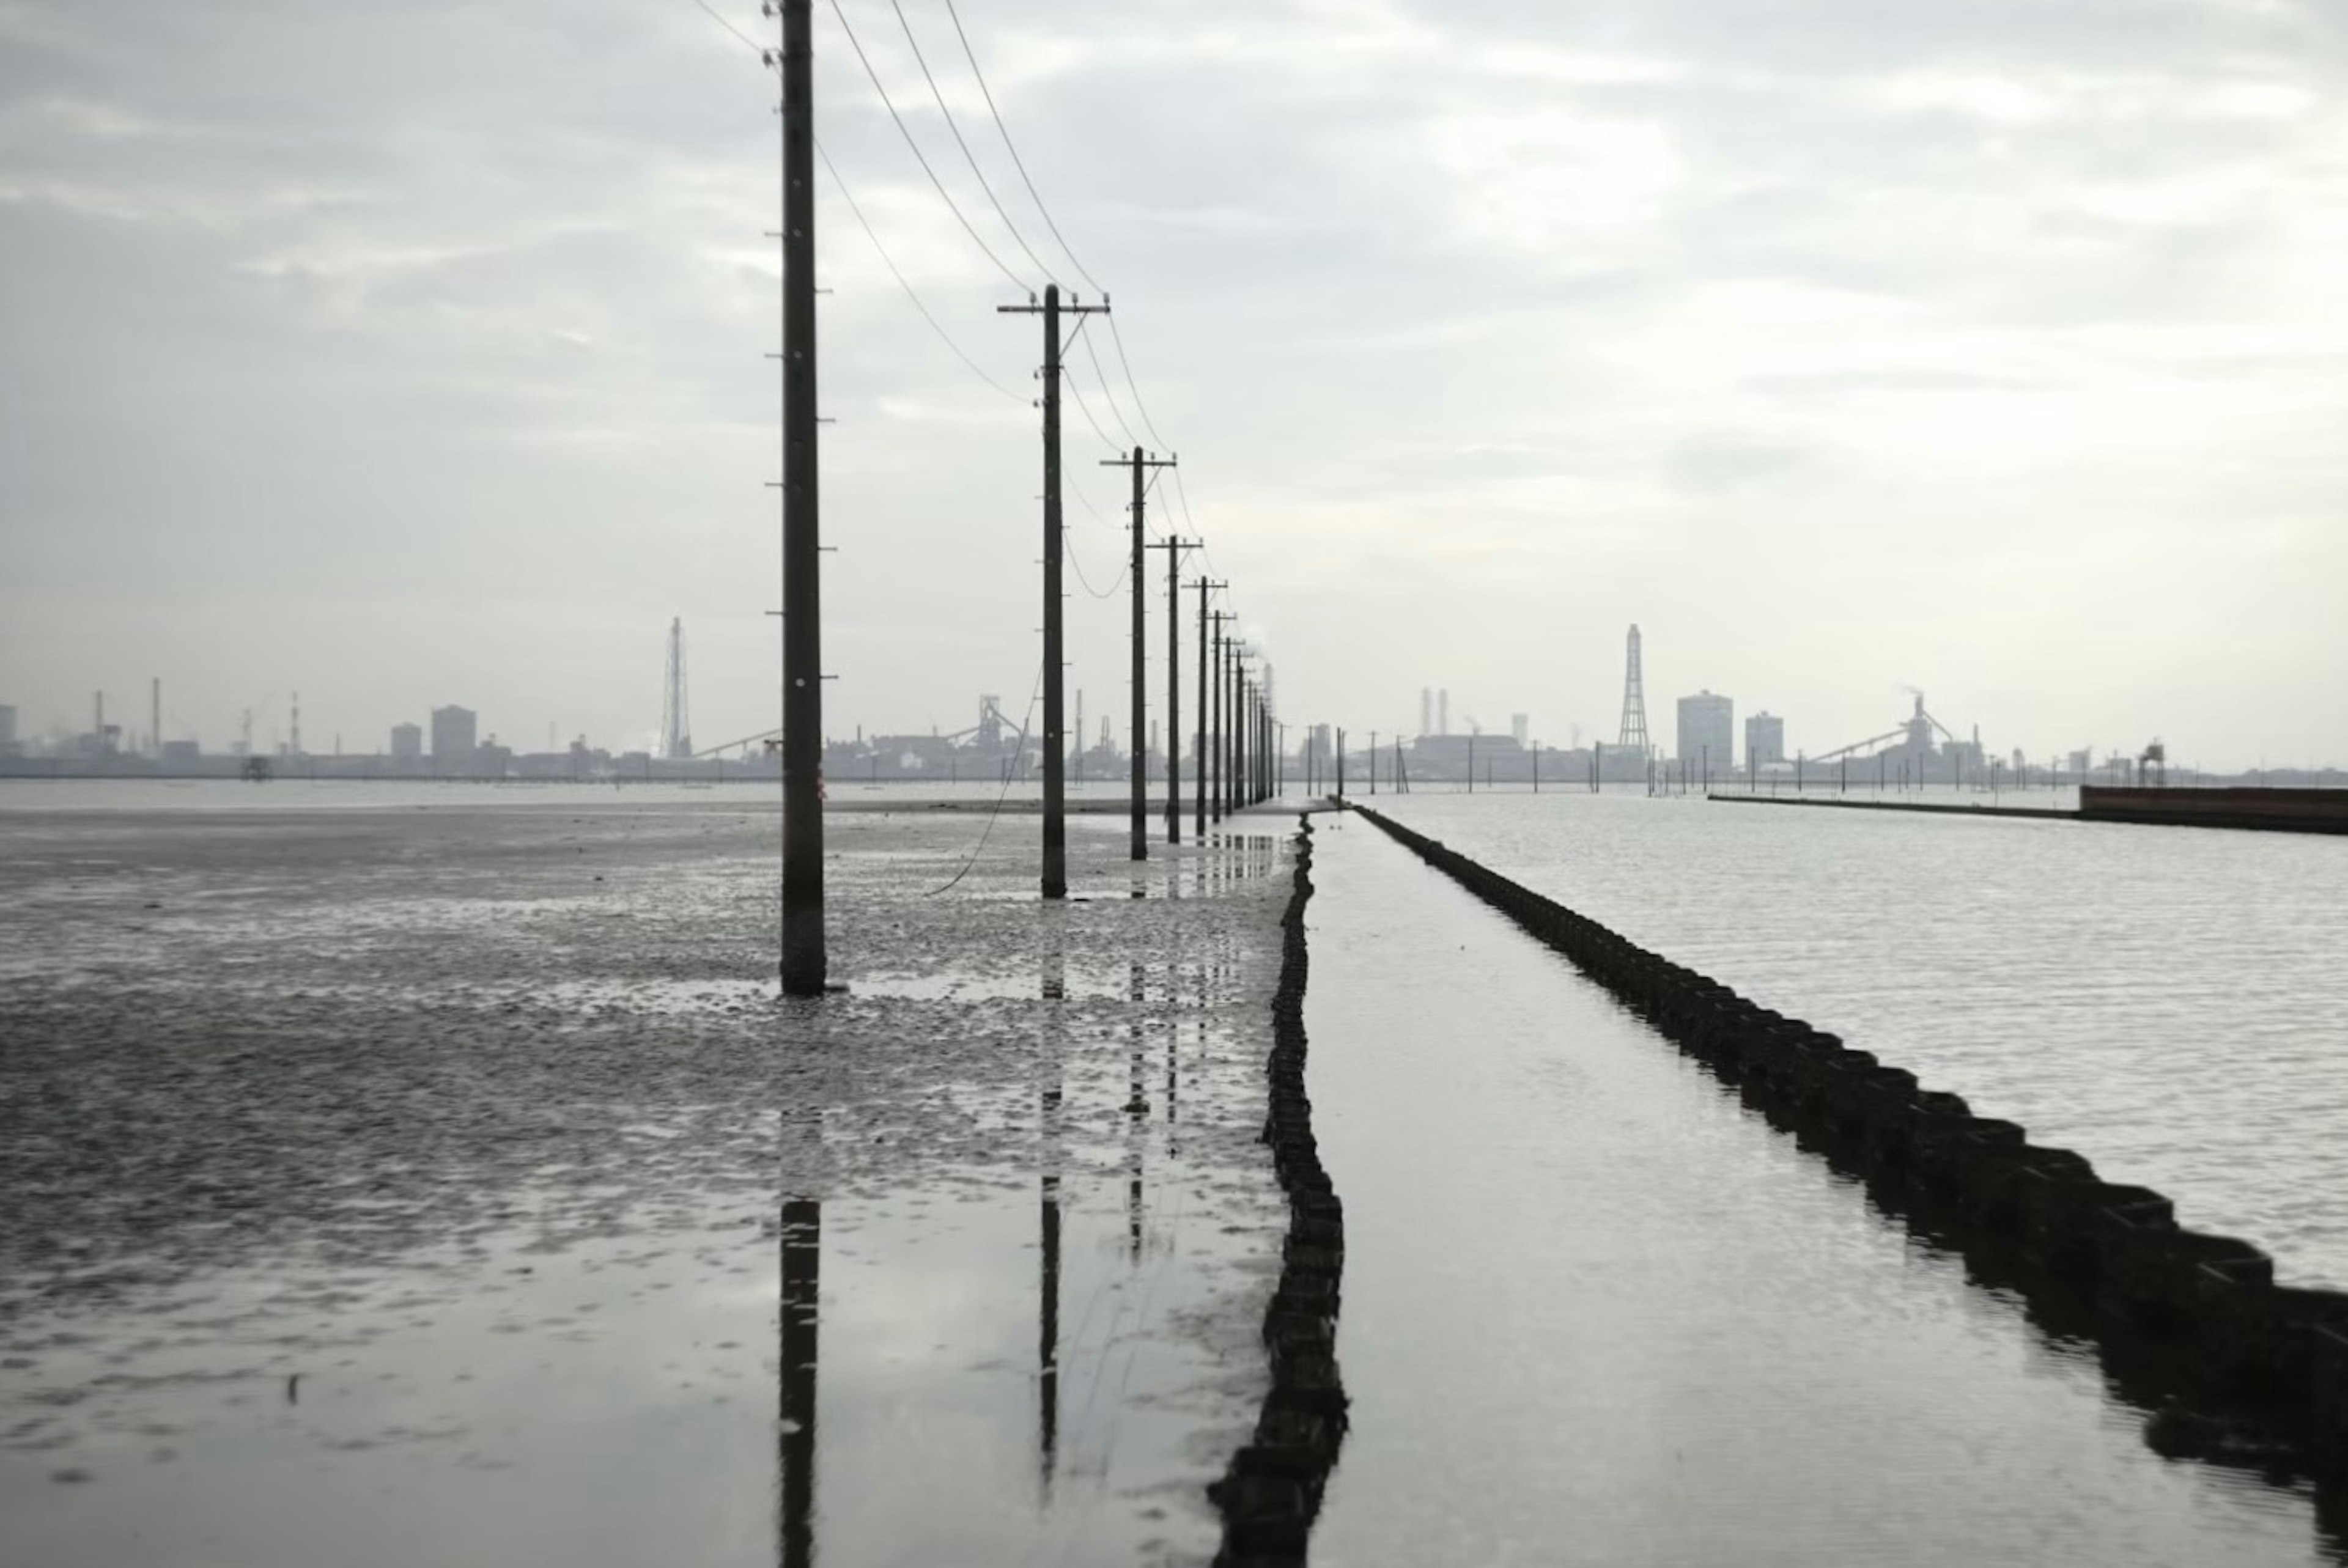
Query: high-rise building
column 407, row 743
column 1521, row 726
column 454, row 739
column 1427, row 709
column 1764, row 740
column 1443, row 710
column 1707, row 732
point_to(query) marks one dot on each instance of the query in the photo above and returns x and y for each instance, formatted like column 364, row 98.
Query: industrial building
column 454, row 739
column 1764, row 740
column 407, row 743
column 1707, row 732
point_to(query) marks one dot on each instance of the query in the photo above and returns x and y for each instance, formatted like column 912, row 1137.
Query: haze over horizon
column 413, row 356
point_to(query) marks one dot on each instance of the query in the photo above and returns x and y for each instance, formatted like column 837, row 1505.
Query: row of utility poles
column 1234, row 755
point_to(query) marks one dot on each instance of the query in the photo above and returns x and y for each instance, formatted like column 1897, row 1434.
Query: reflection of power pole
column 1140, row 464
column 1173, row 548
column 805, row 964
column 1199, row 757
column 1055, row 745
column 802, row 1265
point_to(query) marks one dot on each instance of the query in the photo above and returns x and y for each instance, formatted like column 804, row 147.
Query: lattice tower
column 1635, row 702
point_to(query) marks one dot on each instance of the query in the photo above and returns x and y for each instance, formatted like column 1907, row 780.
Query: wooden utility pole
column 1220, row 739
column 805, row 965
column 1173, row 548
column 1056, row 740
column 1198, row 756
column 1141, row 464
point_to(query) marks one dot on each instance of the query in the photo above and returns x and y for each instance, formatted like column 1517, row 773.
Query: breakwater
column 1923, row 806
column 2261, row 810
column 2246, row 1371
column 1272, row 1492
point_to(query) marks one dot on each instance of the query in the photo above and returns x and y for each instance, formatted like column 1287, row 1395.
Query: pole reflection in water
column 1047, row 1310
column 1136, row 1111
column 802, row 1260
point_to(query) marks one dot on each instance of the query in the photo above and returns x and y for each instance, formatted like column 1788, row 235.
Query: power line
column 1069, row 548
column 1126, row 366
column 1016, row 161
column 874, row 77
column 1086, row 408
column 1017, row 238
column 1103, row 378
column 944, row 336
column 766, row 55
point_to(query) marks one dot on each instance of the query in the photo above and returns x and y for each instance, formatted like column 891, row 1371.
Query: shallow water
column 414, row 1186
column 1597, row 1311
column 2171, row 1002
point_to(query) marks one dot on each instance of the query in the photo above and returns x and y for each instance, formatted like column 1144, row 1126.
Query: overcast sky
column 411, row 354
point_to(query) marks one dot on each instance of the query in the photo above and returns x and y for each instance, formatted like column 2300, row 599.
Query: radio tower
column 676, row 734
column 1634, row 704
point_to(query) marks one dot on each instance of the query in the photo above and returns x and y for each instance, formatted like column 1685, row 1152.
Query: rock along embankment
column 1272, row 1492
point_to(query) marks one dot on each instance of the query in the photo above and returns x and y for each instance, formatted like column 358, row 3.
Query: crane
column 1917, row 730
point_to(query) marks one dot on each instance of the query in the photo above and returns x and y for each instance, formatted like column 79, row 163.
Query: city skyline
column 2020, row 395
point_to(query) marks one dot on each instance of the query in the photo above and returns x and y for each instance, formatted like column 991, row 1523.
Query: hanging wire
column 1126, row 366
column 874, row 77
column 1069, row 548
column 1017, row 238
column 1106, row 391
column 943, row 335
column 1001, row 795
column 1016, row 161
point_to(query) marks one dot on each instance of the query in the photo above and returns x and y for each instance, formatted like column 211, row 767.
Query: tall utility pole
column 1140, row 464
column 1056, row 741
column 1240, row 717
column 805, row 965
column 1173, row 548
column 1199, row 757
column 1220, row 739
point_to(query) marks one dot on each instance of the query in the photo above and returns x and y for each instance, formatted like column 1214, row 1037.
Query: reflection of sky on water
column 2170, row 1002
column 1598, row 1311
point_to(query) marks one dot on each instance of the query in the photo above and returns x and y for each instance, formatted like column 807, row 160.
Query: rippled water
column 1597, row 1311
column 2171, row 1002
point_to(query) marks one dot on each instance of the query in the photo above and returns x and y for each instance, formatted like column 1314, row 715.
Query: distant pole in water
column 1341, row 762
column 1174, row 548
column 1140, row 463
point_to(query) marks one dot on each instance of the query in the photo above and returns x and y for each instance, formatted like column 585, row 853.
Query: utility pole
column 1373, row 762
column 1056, row 741
column 1236, row 771
column 805, row 965
column 1173, row 548
column 1220, row 782
column 1141, row 464
column 1198, row 756
column 1341, row 761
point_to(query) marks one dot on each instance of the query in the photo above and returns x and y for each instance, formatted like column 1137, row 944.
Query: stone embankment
column 2247, row 1371
column 1272, row 1492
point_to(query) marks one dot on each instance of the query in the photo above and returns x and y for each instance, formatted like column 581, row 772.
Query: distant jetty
column 2259, row 810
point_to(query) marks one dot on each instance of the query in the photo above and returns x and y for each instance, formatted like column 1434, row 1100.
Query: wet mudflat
column 2170, row 1003
column 398, row 1185
column 1596, row 1311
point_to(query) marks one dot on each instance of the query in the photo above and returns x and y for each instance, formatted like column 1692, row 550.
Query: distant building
column 407, row 743
column 1521, row 725
column 1427, row 709
column 179, row 753
column 9, row 745
column 454, row 741
column 492, row 760
column 1764, row 740
column 2079, row 761
column 1443, row 710
column 1708, row 731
